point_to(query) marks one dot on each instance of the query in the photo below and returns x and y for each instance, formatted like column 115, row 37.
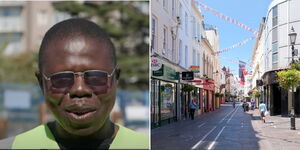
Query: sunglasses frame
column 80, row 74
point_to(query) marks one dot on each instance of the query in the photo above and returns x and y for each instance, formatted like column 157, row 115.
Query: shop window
column 167, row 103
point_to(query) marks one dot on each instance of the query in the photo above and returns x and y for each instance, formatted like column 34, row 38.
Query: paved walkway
column 275, row 134
column 228, row 129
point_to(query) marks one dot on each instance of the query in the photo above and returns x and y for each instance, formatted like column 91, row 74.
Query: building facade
column 177, row 34
column 273, row 46
column 24, row 23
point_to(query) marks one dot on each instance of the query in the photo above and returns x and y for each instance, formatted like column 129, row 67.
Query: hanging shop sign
column 195, row 69
column 166, row 72
column 170, row 73
column 159, row 72
column 156, row 64
column 187, row 75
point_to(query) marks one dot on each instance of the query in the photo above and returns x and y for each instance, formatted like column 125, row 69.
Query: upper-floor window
column 198, row 59
column 173, row 8
column 153, row 33
column 186, row 57
column 173, row 53
column 194, row 57
column 165, row 40
column 186, row 23
column 181, row 54
column 274, row 16
column 193, row 27
column 10, row 11
column 165, row 4
column 180, row 11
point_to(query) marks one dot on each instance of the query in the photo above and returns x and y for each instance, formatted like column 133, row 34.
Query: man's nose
column 79, row 88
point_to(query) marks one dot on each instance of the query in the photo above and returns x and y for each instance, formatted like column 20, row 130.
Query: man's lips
column 80, row 113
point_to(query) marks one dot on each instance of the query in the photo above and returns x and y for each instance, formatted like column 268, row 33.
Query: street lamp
column 293, row 36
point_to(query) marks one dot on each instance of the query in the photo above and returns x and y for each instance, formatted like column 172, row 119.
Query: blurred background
column 22, row 27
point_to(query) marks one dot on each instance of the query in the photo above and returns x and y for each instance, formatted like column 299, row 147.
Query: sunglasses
column 97, row 80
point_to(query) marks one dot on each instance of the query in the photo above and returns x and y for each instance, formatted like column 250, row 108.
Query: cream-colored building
column 272, row 52
column 24, row 23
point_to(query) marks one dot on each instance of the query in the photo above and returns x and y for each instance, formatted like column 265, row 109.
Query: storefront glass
column 154, row 102
column 167, row 103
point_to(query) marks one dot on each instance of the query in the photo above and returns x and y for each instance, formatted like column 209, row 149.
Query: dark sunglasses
column 97, row 80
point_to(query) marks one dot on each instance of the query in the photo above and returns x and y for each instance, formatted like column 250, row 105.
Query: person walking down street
column 244, row 106
column 262, row 110
column 233, row 104
column 193, row 106
column 252, row 104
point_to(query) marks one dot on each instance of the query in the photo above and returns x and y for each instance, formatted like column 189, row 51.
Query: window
column 186, row 57
column 275, row 47
column 198, row 59
column 193, row 27
column 173, row 8
column 275, row 55
column 153, row 34
column 186, row 24
column 275, row 35
column 203, row 63
column 198, row 31
column 42, row 17
column 173, row 50
column 164, row 40
column 10, row 12
column 194, row 57
column 165, row 4
column 275, row 16
column 181, row 54
column 180, row 11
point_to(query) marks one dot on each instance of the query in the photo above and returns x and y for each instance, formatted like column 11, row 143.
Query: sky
column 248, row 12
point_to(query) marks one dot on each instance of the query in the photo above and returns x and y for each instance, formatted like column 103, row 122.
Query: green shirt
column 42, row 138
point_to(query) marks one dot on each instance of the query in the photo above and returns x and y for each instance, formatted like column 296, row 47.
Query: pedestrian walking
column 262, row 110
column 233, row 104
column 244, row 106
column 252, row 104
column 193, row 107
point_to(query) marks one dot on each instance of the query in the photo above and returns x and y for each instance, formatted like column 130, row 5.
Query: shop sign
column 195, row 69
column 188, row 75
column 159, row 72
column 170, row 73
column 156, row 64
column 166, row 73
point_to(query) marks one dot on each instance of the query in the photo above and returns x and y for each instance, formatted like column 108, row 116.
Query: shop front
column 164, row 102
column 208, row 97
column 277, row 99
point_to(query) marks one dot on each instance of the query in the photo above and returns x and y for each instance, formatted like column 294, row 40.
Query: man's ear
column 40, row 80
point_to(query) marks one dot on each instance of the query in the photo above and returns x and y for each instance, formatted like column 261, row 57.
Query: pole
column 293, row 126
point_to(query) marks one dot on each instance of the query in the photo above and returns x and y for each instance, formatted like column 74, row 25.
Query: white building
column 272, row 52
column 24, row 23
column 176, row 45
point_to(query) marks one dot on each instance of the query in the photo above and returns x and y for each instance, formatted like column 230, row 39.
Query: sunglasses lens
column 96, row 78
column 62, row 80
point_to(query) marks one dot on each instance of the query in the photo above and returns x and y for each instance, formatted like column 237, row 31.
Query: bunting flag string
column 234, row 61
column 229, row 19
column 235, row 45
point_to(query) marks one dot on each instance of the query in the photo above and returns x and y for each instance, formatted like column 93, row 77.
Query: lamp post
column 293, row 36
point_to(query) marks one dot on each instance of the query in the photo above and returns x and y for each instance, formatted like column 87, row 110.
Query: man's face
column 80, row 110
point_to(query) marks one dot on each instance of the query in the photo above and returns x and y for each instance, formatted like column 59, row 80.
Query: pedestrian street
column 228, row 128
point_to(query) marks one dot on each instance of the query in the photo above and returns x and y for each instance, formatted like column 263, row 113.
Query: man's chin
column 82, row 131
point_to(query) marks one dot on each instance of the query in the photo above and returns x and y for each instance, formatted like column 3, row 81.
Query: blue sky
column 248, row 12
